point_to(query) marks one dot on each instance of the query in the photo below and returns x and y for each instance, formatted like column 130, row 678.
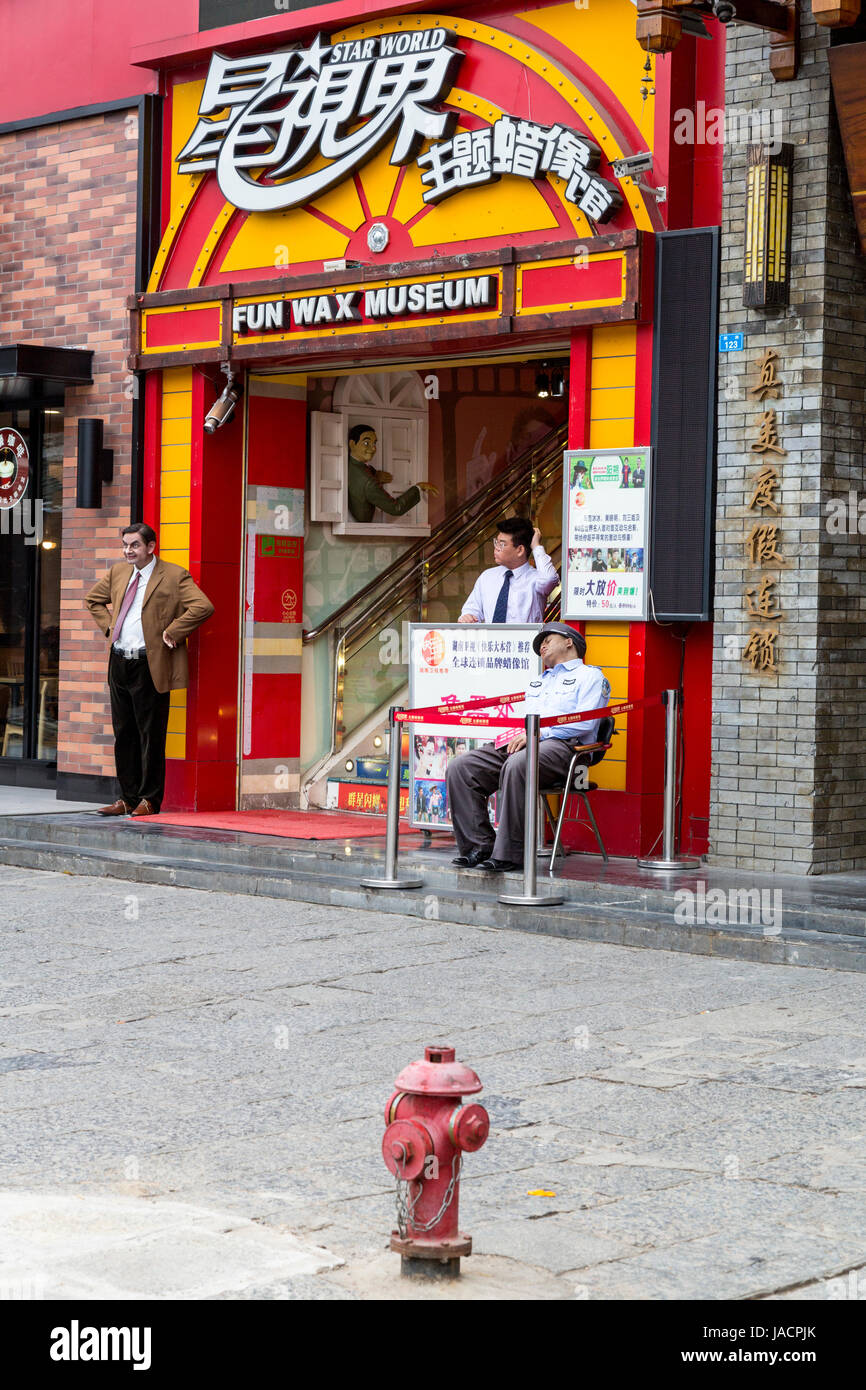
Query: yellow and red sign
column 469, row 149
column 597, row 281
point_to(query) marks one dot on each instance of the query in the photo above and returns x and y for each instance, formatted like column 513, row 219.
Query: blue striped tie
column 501, row 609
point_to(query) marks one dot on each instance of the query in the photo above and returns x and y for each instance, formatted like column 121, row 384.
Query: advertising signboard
column 450, row 662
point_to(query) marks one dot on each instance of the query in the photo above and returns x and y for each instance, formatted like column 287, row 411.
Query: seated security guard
column 565, row 685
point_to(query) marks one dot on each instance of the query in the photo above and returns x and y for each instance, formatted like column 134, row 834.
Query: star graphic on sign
column 313, row 57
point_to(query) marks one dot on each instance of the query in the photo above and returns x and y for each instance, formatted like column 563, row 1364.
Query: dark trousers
column 139, row 716
column 472, row 777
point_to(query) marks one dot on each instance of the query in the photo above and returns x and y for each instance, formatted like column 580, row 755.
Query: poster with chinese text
column 605, row 533
column 449, row 663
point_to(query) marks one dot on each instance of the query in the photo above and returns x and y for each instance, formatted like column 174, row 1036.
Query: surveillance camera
column 633, row 164
column 222, row 409
column 724, row 11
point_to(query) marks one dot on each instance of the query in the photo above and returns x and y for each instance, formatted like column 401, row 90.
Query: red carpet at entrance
column 292, row 825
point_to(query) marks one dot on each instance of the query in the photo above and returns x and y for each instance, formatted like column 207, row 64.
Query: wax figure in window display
column 366, row 492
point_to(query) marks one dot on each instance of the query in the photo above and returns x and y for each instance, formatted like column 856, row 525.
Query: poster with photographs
column 448, row 663
column 605, row 530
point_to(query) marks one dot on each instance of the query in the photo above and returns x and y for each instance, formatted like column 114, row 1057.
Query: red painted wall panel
column 277, row 450
column 276, row 728
column 152, row 449
column 206, row 780
column 77, row 52
column 560, row 284
column 183, row 326
column 709, row 89
column 212, row 735
column 276, row 458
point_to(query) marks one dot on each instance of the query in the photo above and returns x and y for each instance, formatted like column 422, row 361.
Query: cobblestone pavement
column 193, row 1086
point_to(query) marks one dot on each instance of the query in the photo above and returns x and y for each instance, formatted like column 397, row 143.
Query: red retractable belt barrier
column 439, row 714
column 599, row 713
column 416, row 716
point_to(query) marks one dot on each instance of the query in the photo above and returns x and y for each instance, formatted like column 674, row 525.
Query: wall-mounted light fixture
column 767, row 266
column 95, row 465
column 542, row 382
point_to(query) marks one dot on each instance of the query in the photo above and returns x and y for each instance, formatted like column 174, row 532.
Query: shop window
column 30, row 537
column 373, row 444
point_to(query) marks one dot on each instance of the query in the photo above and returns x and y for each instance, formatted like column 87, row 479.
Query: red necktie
column 128, row 601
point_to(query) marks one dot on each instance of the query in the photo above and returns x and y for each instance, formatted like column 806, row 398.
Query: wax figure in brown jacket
column 154, row 607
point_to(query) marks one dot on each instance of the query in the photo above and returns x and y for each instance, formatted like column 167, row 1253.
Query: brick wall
column 67, row 263
column 788, row 746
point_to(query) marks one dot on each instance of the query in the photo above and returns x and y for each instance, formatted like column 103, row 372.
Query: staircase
column 367, row 637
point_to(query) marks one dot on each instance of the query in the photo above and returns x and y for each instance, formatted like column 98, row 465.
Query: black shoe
column 472, row 859
column 499, row 866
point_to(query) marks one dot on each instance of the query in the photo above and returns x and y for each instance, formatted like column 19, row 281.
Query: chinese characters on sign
column 523, row 148
column 762, row 542
column 605, row 521
column 282, row 110
column 309, row 118
column 285, row 547
column 459, row 661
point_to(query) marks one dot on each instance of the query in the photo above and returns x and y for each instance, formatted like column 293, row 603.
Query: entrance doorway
column 476, row 423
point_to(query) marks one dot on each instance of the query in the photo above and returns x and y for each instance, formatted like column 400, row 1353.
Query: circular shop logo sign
column 289, row 602
column 14, row 467
column 433, row 648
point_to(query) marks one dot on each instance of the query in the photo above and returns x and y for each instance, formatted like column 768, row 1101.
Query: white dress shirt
column 569, row 686
column 131, row 635
column 526, row 593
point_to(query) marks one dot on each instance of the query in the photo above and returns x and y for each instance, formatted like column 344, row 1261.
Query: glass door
column 30, row 544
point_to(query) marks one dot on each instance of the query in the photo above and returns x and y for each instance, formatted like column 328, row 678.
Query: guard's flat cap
column 562, row 630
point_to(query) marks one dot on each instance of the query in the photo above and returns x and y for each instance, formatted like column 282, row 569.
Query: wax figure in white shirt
column 513, row 591
column 565, row 685
column 131, row 639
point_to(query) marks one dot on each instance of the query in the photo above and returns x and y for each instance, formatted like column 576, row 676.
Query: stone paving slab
column 111, row 1247
column 698, row 1121
column 617, row 902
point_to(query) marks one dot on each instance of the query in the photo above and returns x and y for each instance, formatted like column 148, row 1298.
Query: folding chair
column 576, row 784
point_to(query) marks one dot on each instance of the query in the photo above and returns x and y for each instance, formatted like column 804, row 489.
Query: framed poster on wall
column 451, row 662
column 605, row 531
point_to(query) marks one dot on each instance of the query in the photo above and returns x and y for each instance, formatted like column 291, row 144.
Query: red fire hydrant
column 428, row 1131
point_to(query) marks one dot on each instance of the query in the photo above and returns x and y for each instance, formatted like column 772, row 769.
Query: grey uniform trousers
column 472, row 777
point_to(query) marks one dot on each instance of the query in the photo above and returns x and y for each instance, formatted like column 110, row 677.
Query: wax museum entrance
column 410, row 470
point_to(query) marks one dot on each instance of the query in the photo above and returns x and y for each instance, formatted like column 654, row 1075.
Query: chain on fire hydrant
column 428, row 1131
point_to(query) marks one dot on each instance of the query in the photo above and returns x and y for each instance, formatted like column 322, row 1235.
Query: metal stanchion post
column 669, row 860
column 393, row 823
column 530, row 897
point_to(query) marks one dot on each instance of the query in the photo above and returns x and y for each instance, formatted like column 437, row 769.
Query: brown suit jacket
column 173, row 603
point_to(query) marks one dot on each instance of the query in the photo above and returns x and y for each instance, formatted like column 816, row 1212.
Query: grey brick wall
column 789, row 749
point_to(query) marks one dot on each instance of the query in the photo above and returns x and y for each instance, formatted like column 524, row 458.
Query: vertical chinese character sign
column 449, row 663
column 606, row 533
column 764, row 539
